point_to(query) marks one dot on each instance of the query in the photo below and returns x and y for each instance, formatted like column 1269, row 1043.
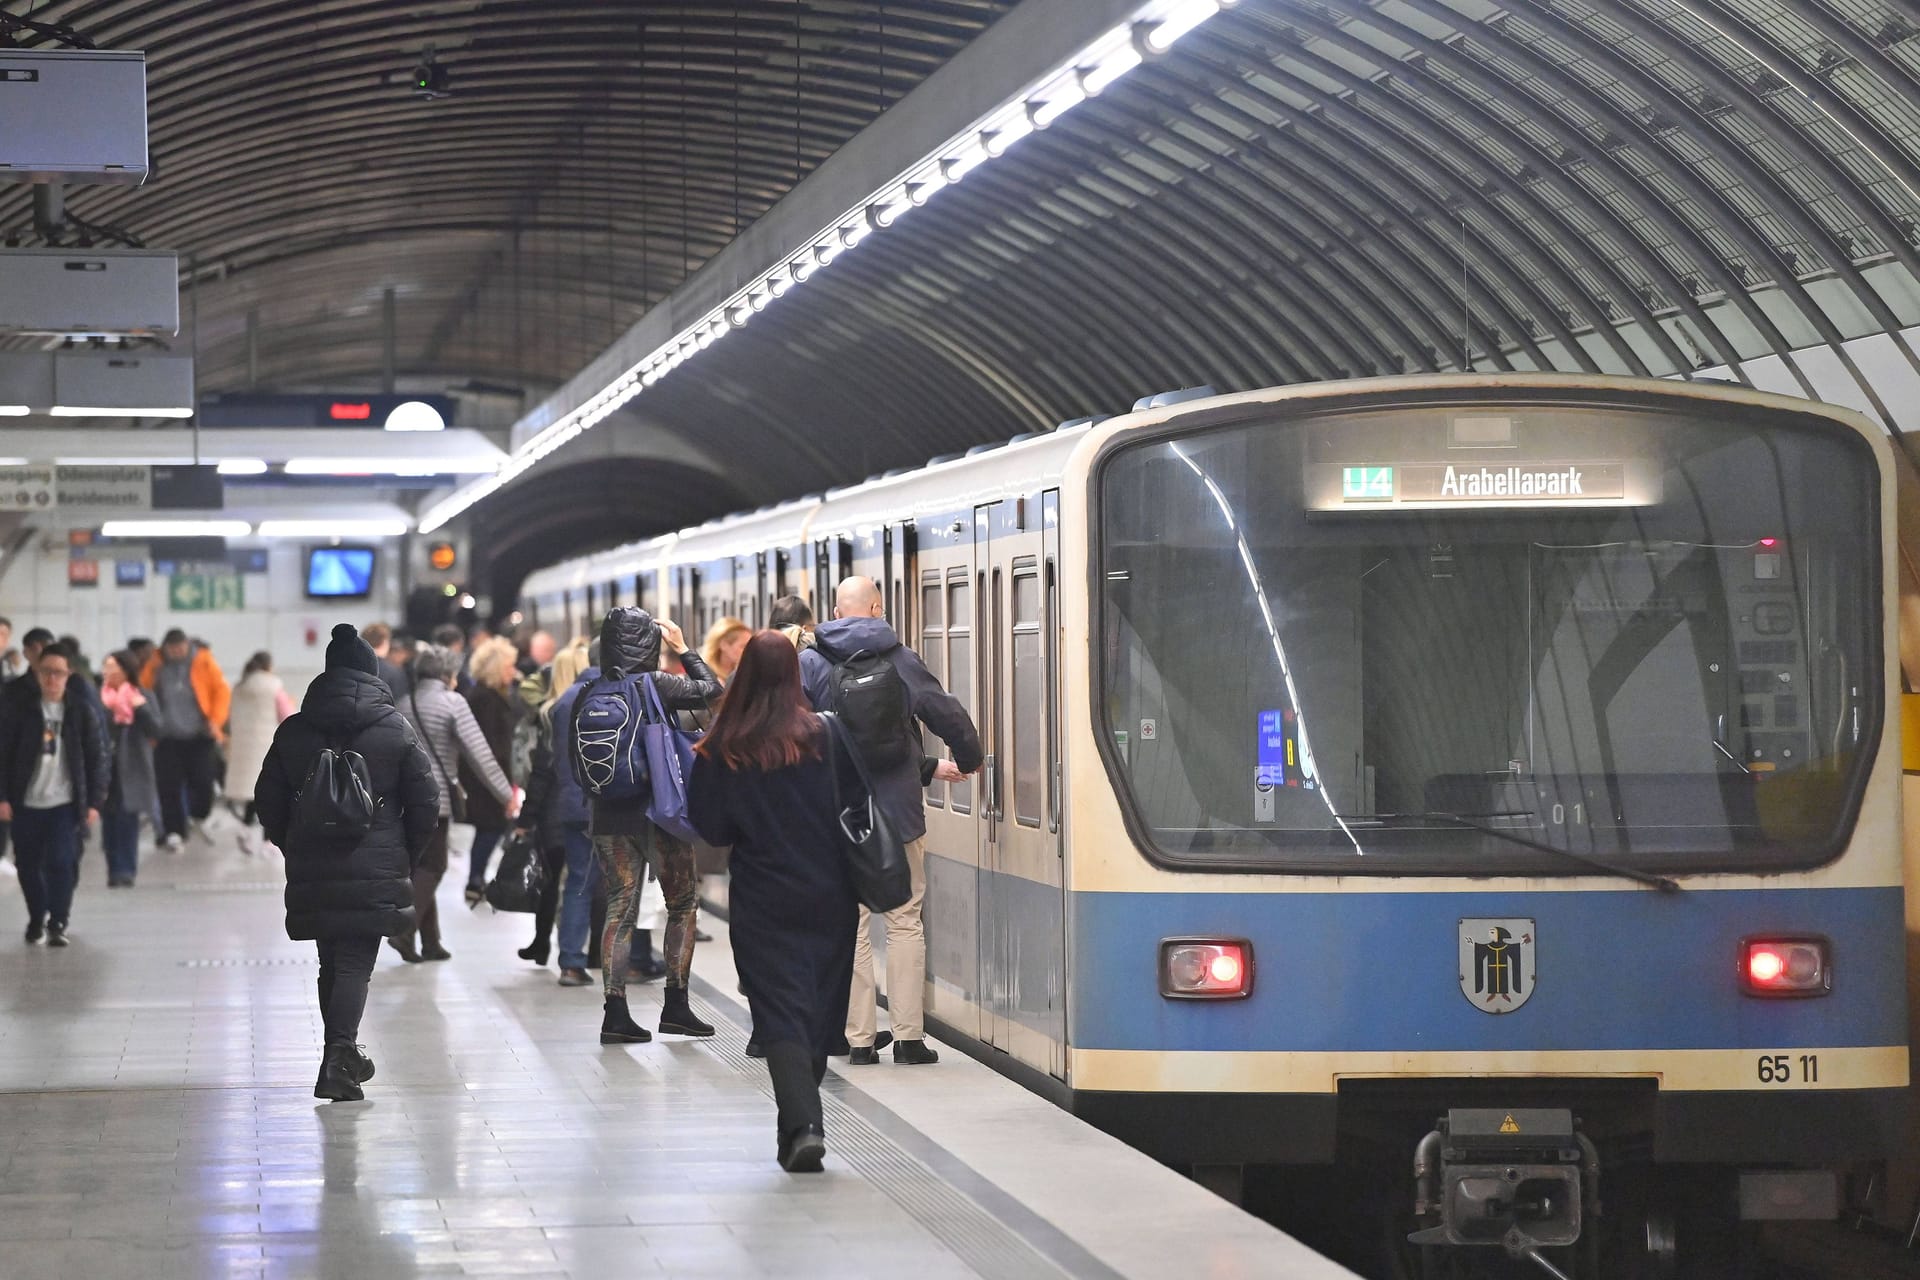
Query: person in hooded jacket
column 624, row 841
column 857, row 627
column 347, row 899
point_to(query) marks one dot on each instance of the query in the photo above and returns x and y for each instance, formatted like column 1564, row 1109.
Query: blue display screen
column 339, row 571
column 1270, row 764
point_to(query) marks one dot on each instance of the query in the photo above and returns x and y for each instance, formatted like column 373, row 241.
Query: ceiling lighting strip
column 1149, row 34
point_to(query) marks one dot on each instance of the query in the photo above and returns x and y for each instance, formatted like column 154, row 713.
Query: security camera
column 430, row 80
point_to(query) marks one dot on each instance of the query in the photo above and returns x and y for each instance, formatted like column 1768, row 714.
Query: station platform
column 157, row 1121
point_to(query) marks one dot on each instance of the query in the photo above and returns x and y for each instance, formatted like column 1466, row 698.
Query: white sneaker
column 173, row 844
column 200, row 829
column 246, row 843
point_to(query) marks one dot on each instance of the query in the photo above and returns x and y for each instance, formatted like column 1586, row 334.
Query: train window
column 1029, row 757
column 1341, row 634
column 930, row 611
column 960, row 671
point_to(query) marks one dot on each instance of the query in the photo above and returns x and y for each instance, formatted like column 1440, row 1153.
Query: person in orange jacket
column 192, row 701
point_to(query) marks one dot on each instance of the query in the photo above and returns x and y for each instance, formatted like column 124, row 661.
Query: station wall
column 276, row 614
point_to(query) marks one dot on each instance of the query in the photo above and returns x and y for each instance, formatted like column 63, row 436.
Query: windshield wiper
column 1461, row 820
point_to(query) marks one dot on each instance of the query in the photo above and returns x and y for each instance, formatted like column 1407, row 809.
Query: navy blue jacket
column 898, row 788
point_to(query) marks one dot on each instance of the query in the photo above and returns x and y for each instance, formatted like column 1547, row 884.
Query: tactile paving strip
column 980, row 1239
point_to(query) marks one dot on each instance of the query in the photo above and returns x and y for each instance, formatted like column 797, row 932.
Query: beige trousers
column 906, row 965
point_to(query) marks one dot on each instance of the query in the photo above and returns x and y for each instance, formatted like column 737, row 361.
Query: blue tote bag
column 669, row 764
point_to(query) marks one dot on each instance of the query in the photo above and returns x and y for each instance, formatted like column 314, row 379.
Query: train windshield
column 1474, row 638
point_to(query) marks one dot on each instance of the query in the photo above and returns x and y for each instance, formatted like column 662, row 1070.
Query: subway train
column 1483, row 792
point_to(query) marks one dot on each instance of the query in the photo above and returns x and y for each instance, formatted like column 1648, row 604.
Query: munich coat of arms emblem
column 1497, row 963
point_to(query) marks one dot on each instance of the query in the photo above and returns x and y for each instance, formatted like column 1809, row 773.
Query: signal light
column 1206, row 968
column 1786, row 965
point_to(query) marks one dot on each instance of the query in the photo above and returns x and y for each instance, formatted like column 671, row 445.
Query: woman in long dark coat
column 763, row 782
column 348, row 898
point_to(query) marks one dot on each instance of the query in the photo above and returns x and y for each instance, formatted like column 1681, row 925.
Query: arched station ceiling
column 1301, row 190
column 1321, row 190
column 589, row 156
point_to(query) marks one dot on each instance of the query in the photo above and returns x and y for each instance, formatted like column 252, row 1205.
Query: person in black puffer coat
column 347, row 900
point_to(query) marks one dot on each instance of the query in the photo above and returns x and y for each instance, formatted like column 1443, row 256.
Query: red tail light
column 1206, row 968
column 1786, row 965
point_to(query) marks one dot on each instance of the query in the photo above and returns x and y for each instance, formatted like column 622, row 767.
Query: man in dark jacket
column 55, row 766
column 348, row 898
column 624, row 841
column 859, row 627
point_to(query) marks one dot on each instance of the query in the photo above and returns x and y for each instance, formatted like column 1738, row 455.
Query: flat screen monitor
column 340, row 573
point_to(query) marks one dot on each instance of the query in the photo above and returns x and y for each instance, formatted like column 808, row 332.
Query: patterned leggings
column 621, row 860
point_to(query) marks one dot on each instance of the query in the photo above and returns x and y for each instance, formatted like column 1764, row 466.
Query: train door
column 953, row 914
column 1020, row 896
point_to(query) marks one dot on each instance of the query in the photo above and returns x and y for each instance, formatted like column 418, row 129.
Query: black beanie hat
column 348, row 652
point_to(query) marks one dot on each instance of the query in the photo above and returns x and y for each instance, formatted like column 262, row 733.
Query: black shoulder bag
column 456, row 794
column 876, row 856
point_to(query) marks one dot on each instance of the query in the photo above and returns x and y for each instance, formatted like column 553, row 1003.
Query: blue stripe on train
column 1380, row 971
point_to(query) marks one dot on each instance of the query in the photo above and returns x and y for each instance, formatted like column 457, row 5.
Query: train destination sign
column 1471, row 484
column 1537, row 481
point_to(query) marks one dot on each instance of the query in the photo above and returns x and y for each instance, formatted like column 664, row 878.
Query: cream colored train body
column 1339, row 680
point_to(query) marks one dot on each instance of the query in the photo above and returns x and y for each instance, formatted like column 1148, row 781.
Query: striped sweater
column 450, row 733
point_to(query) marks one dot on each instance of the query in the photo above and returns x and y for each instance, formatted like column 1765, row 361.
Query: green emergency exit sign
column 1366, row 484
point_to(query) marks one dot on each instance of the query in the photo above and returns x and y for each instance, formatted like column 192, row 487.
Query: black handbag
column 456, row 794
column 520, row 879
column 876, row 856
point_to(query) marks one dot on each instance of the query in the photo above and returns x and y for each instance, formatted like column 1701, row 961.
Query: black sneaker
column 35, row 931
column 56, row 935
column 865, row 1056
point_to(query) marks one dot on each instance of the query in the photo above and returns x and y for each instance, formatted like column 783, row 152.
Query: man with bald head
column 859, row 629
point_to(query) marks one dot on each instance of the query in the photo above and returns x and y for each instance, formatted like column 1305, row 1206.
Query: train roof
column 1037, row 460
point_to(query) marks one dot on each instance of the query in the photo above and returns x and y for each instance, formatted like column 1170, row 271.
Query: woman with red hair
column 763, row 782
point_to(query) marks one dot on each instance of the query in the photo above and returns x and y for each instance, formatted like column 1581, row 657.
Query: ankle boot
column 536, row 951
column 618, row 1026
column 677, row 1016
column 339, row 1072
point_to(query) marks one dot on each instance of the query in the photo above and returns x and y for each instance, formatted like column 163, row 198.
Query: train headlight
column 1786, row 965
column 1206, row 968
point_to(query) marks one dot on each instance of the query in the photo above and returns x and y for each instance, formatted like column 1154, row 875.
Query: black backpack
column 335, row 804
column 876, row 710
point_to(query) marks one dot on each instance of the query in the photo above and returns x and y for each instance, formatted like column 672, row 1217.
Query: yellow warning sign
column 1509, row 1125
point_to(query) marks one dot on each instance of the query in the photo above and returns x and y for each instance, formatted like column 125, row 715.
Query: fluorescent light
column 1045, row 113
column 415, row 415
column 391, row 466
column 1110, row 68
column 13, row 462
column 118, row 411
column 14, row 411
column 1011, row 131
column 242, row 467
column 175, row 529
column 1177, row 21
column 333, row 528
column 854, row 232
column 966, row 160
